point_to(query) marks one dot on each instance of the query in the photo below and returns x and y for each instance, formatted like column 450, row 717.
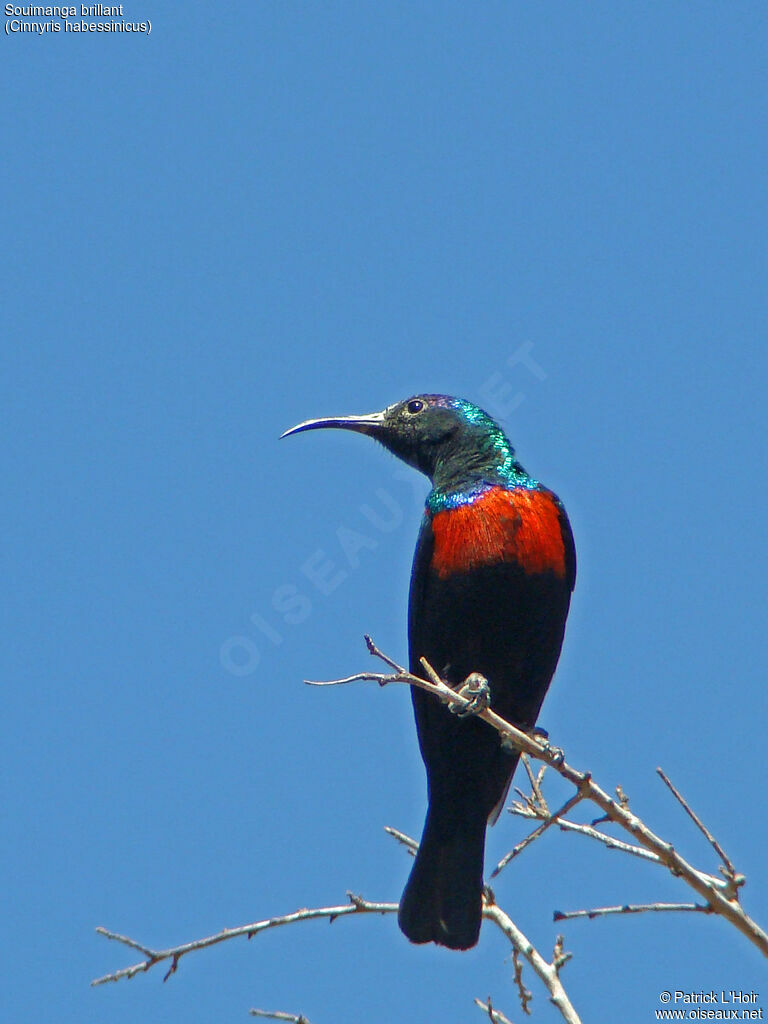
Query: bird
column 490, row 589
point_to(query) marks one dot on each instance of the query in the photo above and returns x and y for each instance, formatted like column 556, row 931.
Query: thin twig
column 535, row 781
column 376, row 653
column 356, row 905
column 525, row 995
column 610, row 842
column 560, row 956
column 730, row 869
column 495, row 1016
column 292, row 1018
column 149, row 953
column 632, row 908
column 588, row 830
column 363, row 677
column 433, row 676
column 567, row 806
column 410, row 844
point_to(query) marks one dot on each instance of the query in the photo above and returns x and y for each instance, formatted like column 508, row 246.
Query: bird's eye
column 415, row 406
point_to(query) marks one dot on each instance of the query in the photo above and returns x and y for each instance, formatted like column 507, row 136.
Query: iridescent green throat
column 483, row 458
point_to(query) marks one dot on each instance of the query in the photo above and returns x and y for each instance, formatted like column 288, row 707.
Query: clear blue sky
column 268, row 211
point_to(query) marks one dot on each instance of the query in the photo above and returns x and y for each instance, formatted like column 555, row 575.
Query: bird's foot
column 559, row 756
column 557, row 753
column 541, row 736
column 477, row 691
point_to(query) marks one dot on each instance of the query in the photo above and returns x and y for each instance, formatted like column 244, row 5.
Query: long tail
column 442, row 901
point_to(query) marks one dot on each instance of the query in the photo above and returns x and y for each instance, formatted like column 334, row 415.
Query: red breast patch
column 500, row 526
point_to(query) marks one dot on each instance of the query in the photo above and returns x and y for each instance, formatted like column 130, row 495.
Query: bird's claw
column 477, row 691
column 542, row 736
column 558, row 754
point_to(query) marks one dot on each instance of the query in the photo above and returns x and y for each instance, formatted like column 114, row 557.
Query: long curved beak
column 368, row 424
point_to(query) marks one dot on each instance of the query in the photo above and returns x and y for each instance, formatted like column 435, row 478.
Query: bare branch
column 410, row 844
column 730, row 870
column 356, row 905
column 721, row 896
column 149, row 953
column 547, row 972
column 376, row 653
column 434, row 677
column 528, row 810
column 495, row 1016
column 589, row 830
column 560, row 956
column 722, row 901
column 525, row 995
column 292, row 1018
column 567, row 806
column 535, row 781
column 632, row 908
column 521, row 946
column 362, row 677
column 518, row 739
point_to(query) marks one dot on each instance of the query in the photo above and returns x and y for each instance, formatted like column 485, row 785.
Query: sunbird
column 491, row 583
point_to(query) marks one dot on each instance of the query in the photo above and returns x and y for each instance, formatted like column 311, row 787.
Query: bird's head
column 450, row 440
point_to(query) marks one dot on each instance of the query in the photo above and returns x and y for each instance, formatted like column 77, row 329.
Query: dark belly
column 507, row 625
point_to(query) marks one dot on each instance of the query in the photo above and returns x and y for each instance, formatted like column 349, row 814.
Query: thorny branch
column 534, row 806
column 632, row 908
column 410, row 844
column 721, row 896
column 547, row 972
column 729, row 870
column 494, row 1016
column 548, row 820
column 291, row 1018
column 356, row 905
column 525, row 995
column 527, row 811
